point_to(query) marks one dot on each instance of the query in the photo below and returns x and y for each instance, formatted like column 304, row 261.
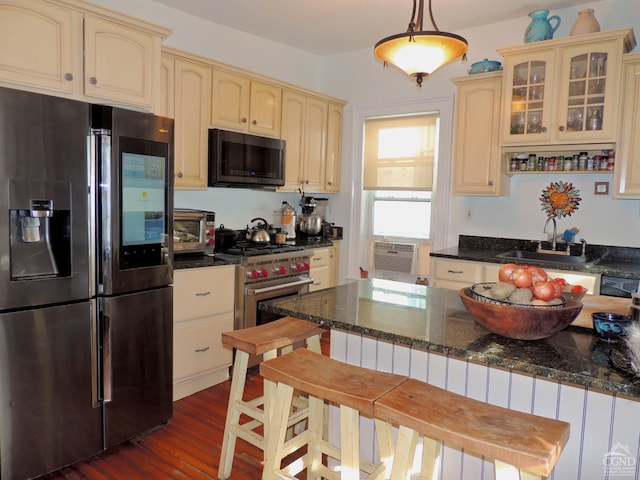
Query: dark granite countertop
column 435, row 319
column 615, row 261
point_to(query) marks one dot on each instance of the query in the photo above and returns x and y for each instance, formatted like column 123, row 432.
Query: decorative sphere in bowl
column 521, row 322
column 611, row 327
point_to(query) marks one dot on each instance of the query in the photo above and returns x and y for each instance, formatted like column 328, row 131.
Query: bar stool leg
column 276, row 436
column 430, row 457
column 233, row 414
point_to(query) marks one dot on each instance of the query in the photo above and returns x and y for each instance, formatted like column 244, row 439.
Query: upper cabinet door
column 528, row 87
column 230, row 107
column 627, row 169
column 334, row 148
column 588, row 97
column 119, row 62
column 192, row 116
column 293, row 115
column 315, row 145
column 265, row 112
column 37, row 42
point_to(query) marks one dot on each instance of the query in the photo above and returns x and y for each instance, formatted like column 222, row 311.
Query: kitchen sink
column 560, row 259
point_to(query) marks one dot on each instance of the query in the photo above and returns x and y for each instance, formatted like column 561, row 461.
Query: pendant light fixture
column 417, row 52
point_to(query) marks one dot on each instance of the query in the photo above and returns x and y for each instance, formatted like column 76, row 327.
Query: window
column 399, row 162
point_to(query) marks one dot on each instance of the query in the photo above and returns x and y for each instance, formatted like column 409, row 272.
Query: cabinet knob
column 179, row 175
column 561, row 128
column 544, row 129
column 329, row 182
column 491, row 183
column 244, row 120
column 307, row 182
column 68, row 77
column 254, row 122
column 93, row 80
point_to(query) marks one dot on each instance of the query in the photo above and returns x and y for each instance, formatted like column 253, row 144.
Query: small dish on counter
column 611, row 327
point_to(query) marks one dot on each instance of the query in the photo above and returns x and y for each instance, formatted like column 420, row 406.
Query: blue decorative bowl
column 485, row 66
column 611, row 327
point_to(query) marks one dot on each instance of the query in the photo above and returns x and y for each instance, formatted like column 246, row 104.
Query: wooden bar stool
column 354, row 389
column 266, row 340
column 518, row 442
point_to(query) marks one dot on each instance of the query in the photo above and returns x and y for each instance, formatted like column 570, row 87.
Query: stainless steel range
column 266, row 272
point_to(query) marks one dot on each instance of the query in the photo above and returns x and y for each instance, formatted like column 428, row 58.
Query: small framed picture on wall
column 601, row 188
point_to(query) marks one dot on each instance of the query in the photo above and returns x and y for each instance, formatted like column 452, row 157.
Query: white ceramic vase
column 585, row 23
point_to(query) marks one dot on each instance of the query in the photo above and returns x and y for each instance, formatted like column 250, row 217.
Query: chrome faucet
column 555, row 231
column 584, row 247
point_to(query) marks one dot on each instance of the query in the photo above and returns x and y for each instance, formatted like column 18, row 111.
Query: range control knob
column 211, row 241
column 306, row 267
column 263, row 273
column 280, row 270
column 297, row 267
column 253, row 274
column 211, row 232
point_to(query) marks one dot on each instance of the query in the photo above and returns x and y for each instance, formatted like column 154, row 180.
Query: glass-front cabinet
column 563, row 91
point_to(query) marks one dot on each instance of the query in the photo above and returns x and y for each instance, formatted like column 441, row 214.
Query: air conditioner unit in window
column 395, row 257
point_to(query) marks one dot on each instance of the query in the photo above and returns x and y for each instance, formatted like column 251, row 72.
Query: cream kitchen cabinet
column 203, row 309
column 457, row 274
column 304, row 128
column 334, row 148
column 477, row 166
column 188, row 96
column 563, row 91
column 246, row 105
column 324, row 265
column 627, row 168
column 80, row 51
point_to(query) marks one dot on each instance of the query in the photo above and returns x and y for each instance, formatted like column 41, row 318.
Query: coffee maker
column 309, row 222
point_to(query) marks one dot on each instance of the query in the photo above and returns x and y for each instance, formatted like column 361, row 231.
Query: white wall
column 358, row 78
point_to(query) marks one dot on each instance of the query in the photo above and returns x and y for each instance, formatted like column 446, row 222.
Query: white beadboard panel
column 521, row 393
column 402, row 361
column 384, row 360
column 600, row 423
column 499, row 386
column 369, row 357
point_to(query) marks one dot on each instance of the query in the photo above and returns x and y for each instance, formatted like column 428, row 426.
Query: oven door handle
column 258, row 291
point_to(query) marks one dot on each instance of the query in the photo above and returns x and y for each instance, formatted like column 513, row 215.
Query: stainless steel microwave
column 244, row 160
column 193, row 231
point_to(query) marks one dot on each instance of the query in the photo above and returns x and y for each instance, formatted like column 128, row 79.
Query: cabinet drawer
column 320, row 257
column 458, row 271
column 203, row 292
column 198, row 346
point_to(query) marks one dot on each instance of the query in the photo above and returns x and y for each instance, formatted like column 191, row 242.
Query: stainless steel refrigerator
column 86, row 204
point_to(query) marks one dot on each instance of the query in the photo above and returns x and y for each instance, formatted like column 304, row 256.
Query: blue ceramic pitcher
column 540, row 27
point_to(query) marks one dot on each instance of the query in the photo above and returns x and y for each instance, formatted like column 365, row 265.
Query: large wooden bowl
column 521, row 322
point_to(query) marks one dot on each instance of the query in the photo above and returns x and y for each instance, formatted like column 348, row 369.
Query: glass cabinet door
column 528, row 85
column 587, row 83
column 587, row 102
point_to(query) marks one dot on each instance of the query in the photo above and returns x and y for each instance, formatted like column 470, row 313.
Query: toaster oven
column 193, row 231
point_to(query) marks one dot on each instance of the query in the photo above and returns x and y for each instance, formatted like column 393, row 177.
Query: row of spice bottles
column 582, row 162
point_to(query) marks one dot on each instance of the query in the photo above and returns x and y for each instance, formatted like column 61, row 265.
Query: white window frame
column 359, row 237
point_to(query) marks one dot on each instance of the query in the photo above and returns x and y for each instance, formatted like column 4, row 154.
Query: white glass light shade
column 420, row 53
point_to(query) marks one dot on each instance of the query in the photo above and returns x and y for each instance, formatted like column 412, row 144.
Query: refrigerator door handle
column 95, row 360
column 107, row 382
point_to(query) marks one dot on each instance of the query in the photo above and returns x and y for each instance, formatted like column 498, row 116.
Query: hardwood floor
column 187, row 447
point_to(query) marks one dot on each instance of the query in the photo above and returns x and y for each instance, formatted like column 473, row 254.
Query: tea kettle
column 258, row 233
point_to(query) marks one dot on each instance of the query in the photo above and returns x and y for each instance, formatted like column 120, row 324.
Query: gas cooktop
column 248, row 249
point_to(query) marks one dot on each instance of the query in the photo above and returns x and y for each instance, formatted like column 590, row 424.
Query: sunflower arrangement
column 560, row 199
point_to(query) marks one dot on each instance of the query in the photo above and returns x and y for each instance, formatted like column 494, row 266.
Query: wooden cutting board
column 600, row 303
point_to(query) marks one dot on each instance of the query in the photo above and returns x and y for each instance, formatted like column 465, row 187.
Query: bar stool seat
column 267, row 340
column 354, row 389
column 516, row 441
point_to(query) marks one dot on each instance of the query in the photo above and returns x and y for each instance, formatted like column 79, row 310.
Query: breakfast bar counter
column 426, row 333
